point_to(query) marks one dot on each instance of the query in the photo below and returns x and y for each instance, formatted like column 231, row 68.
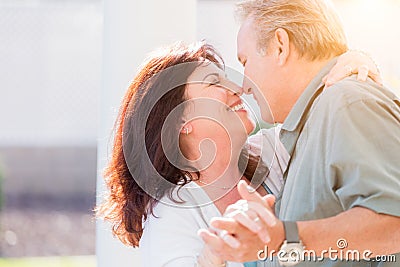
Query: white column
column 131, row 30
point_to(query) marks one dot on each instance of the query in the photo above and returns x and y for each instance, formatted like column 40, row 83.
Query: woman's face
column 215, row 107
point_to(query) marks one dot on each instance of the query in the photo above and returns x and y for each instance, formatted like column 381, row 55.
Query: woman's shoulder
column 170, row 232
column 187, row 208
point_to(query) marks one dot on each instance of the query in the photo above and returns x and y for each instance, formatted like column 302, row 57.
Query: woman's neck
column 223, row 170
column 219, row 180
column 219, row 170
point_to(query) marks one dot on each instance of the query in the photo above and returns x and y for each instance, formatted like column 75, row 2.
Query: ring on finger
column 244, row 207
column 349, row 70
column 223, row 234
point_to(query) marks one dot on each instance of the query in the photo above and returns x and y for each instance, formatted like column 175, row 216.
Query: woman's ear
column 187, row 128
column 282, row 46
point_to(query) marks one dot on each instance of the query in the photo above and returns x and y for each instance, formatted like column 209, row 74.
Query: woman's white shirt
column 171, row 239
column 266, row 144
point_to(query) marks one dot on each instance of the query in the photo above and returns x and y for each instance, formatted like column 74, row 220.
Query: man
column 342, row 186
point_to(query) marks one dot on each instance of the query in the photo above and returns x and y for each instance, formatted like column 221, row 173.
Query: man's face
column 263, row 78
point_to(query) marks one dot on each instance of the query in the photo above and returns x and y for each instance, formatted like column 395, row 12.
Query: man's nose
column 247, row 90
column 246, row 86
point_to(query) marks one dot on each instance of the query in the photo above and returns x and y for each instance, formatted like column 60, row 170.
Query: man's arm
column 354, row 62
column 365, row 164
column 362, row 229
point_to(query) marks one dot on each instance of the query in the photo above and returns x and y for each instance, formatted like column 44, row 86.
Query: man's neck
column 301, row 73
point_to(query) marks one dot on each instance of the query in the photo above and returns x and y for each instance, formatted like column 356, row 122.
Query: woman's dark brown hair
column 138, row 154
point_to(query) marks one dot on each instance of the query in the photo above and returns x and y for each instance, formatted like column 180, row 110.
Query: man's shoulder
column 350, row 90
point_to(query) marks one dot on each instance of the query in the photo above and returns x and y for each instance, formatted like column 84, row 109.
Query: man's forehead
column 247, row 26
column 246, row 32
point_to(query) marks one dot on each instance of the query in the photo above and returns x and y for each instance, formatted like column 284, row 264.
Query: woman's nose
column 235, row 89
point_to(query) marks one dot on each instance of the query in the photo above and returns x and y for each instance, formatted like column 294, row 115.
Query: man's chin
column 268, row 117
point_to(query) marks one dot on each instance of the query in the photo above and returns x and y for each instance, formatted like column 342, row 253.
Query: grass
column 76, row 261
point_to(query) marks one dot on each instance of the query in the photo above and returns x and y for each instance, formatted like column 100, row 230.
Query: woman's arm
column 208, row 259
column 354, row 62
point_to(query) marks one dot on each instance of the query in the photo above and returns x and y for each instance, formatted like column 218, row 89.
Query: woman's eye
column 214, row 82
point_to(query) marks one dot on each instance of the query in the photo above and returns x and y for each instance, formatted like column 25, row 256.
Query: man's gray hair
column 313, row 26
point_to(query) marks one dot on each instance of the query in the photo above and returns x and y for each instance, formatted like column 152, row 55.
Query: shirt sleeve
column 365, row 156
column 275, row 158
column 170, row 238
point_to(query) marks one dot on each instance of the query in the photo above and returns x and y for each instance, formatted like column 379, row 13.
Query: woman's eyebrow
column 210, row 74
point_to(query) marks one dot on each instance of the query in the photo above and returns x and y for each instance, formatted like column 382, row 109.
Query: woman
column 178, row 156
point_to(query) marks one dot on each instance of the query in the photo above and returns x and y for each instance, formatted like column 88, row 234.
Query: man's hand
column 247, row 227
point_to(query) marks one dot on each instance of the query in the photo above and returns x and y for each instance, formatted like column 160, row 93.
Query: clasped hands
column 247, row 226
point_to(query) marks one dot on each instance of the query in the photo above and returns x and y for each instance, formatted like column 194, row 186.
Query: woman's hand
column 246, row 228
column 353, row 62
column 253, row 214
column 208, row 259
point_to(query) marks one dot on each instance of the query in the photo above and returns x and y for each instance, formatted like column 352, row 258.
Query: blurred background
column 50, row 69
column 64, row 65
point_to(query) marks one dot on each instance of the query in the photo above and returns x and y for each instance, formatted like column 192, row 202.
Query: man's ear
column 282, row 46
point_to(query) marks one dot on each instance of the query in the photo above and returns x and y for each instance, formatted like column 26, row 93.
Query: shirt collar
column 294, row 122
column 301, row 107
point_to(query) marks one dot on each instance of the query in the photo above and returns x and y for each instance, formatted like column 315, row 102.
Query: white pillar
column 131, row 30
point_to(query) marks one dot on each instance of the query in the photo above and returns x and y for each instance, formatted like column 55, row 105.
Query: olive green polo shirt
column 344, row 143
